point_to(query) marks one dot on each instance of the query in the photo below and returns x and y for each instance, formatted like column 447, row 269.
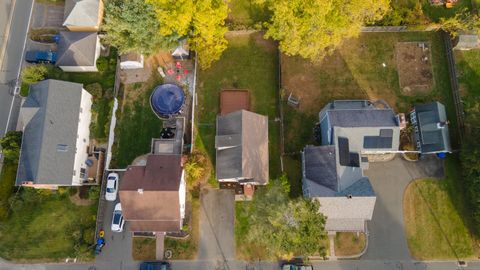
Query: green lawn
column 103, row 102
column 354, row 71
column 468, row 69
column 245, row 14
column 7, row 182
column 244, row 251
column 433, row 219
column 249, row 63
column 437, row 12
column 46, row 226
column 137, row 124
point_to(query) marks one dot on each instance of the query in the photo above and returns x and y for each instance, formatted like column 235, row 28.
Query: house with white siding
column 56, row 121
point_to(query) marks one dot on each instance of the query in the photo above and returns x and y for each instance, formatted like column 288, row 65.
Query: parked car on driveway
column 160, row 265
column 48, row 57
column 292, row 266
column 112, row 187
column 117, row 219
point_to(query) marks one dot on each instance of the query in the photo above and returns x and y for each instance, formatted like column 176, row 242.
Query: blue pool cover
column 167, row 99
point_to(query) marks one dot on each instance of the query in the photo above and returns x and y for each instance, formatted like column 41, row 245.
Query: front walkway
column 387, row 239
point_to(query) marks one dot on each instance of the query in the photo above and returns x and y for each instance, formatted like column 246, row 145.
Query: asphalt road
column 11, row 64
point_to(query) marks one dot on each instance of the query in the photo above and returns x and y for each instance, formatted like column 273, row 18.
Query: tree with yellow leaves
column 313, row 28
column 202, row 21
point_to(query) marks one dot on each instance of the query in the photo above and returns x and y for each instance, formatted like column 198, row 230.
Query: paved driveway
column 47, row 16
column 118, row 248
column 389, row 179
column 217, row 241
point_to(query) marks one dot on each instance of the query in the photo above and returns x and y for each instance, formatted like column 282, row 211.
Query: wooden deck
column 234, row 100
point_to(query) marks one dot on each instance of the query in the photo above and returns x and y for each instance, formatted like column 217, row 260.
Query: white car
column 117, row 219
column 112, row 187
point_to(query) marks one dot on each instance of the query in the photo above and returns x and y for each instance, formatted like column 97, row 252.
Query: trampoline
column 167, row 100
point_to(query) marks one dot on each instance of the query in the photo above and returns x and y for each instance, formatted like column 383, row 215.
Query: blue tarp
column 167, row 99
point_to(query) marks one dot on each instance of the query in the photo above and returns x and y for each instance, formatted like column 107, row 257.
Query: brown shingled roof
column 149, row 194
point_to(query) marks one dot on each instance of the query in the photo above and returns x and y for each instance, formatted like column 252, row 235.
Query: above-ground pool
column 167, row 100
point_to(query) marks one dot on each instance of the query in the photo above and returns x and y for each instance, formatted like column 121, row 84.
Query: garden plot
column 414, row 67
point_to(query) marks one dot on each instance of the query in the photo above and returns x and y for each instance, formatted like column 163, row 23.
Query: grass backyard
column 245, row 14
column 137, row 124
column 250, row 62
column 468, row 68
column 433, row 219
column 46, row 226
column 363, row 68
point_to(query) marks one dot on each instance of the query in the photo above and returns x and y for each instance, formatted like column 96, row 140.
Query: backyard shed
column 467, row 42
column 131, row 61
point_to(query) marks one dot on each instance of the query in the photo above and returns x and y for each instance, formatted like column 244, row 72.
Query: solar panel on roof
column 343, row 151
column 386, row 133
column 377, row 142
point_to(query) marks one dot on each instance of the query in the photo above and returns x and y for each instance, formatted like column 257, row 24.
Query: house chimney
column 140, row 191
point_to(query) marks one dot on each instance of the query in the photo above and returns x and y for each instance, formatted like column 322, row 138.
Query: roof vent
column 140, row 191
column 62, row 148
column 349, row 196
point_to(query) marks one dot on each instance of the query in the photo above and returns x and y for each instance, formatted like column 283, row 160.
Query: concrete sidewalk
column 6, row 13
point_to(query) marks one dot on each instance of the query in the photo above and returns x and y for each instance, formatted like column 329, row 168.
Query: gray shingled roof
column 433, row 128
column 321, row 169
column 81, row 12
column 242, row 146
column 50, row 115
column 320, row 165
column 77, row 49
column 362, row 118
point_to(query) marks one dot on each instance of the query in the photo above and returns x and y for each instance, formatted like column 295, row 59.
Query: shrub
column 88, row 235
column 102, row 64
column 11, row 146
column 95, row 89
column 34, row 73
column 7, row 182
column 94, row 193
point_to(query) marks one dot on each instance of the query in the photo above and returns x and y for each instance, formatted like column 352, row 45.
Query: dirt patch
column 75, row 199
column 349, row 243
column 414, row 67
column 144, row 248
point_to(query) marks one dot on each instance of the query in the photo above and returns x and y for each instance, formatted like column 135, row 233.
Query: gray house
column 431, row 128
column 56, row 121
column 333, row 172
column 241, row 146
column 78, row 51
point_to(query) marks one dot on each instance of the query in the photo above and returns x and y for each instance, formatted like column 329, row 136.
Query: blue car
column 48, row 57
column 159, row 265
